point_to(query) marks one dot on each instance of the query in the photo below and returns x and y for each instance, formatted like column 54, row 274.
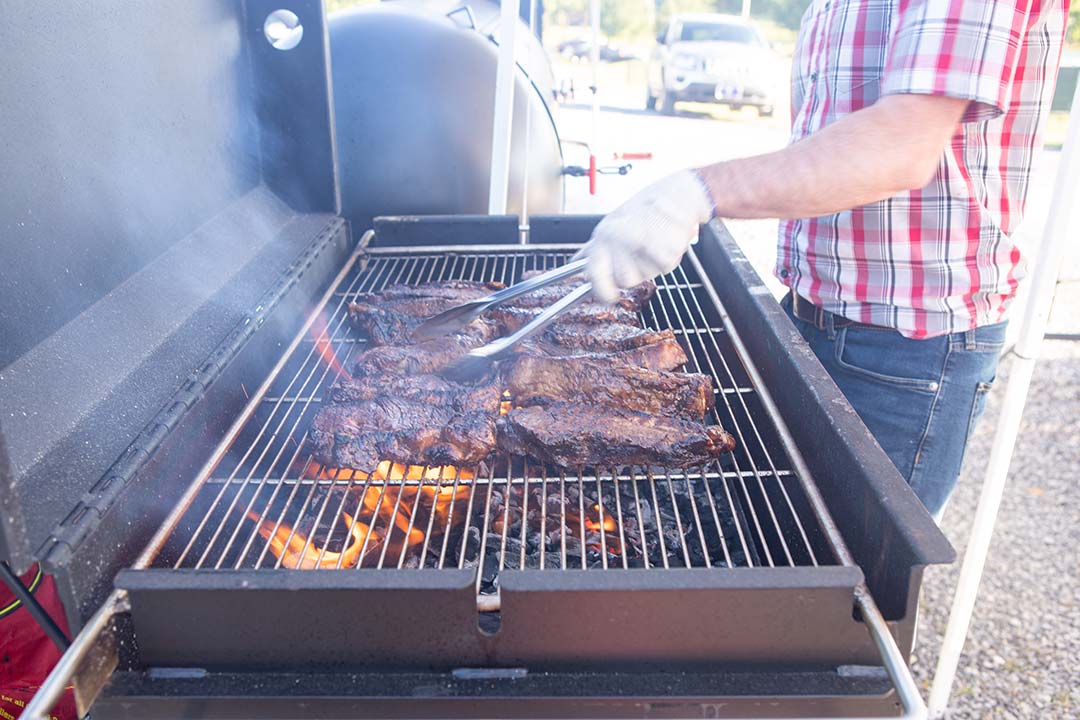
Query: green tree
column 626, row 18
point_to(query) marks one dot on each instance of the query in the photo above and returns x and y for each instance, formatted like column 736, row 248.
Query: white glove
column 647, row 235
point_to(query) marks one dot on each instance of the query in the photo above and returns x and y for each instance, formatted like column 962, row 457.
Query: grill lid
column 155, row 187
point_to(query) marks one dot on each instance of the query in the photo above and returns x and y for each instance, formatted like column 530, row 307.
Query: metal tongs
column 475, row 364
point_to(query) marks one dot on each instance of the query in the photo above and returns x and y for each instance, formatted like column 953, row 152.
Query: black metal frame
column 197, row 695
column 27, row 600
column 186, row 667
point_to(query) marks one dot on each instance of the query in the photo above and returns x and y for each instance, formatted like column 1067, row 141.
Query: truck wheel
column 665, row 103
column 650, row 101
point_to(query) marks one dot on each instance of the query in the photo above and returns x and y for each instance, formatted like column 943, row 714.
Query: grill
column 267, row 495
column 512, row 588
column 172, row 331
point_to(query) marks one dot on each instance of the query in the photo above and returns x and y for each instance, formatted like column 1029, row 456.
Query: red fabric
column 26, row 652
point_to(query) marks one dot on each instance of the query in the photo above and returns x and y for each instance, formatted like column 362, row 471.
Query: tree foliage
column 632, row 18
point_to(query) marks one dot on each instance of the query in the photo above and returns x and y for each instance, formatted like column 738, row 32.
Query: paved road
column 1021, row 656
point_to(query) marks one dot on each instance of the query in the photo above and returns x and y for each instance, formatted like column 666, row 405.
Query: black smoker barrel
column 414, row 92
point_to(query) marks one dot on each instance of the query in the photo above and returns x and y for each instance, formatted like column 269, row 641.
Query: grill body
column 773, row 617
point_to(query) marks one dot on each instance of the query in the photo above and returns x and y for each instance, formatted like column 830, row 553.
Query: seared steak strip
column 389, row 317
column 633, row 299
column 663, row 352
column 570, row 435
column 426, row 357
column 510, row 318
column 600, row 380
column 359, row 434
column 594, row 388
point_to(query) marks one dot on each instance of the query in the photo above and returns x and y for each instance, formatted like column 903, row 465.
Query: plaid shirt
column 941, row 259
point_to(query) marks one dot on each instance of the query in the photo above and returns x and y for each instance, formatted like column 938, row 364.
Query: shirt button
column 933, row 387
column 784, row 273
column 813, row 77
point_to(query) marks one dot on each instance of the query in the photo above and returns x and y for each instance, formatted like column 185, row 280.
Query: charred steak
column 460, row 430
column 595, row 388
column 390, row 316
column 633, row 299
column 571, row 435
column 597, row 380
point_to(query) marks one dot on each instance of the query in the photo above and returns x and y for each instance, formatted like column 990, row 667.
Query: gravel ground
column 1020, row 657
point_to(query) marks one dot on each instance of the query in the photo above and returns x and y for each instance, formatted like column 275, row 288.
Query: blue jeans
column 920, row 398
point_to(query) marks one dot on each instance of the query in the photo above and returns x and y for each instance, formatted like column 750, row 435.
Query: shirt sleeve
column 966, row 49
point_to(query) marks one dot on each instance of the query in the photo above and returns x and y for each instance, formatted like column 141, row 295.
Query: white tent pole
column 746, row 8
column 1047, row 261
column 523, row 219
column 504, row 109
column 594, row 22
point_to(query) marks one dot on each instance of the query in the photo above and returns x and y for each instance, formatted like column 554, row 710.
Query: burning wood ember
column 409, row 517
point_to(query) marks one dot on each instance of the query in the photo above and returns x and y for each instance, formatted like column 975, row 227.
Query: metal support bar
column 523, row 222
column 594, row 59
column 41, row 617
column 1032, row 329
column 504, row 109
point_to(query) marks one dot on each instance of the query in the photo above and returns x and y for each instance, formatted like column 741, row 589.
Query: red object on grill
column 26, row 652
column 592, row 174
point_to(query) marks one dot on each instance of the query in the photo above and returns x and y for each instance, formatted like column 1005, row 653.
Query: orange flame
column 608, row 524
column 394, row 514
column 387, row 470
column 297, row 553
column 321, row 335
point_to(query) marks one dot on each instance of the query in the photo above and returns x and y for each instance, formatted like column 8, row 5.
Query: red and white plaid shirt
column 941, row 259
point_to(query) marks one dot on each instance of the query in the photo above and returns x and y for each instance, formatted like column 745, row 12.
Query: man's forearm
column 891, row 146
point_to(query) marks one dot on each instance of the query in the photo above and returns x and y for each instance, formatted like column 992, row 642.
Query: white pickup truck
column 712, row 58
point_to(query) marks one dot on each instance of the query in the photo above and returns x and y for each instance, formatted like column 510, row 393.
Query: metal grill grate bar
column 268, row 504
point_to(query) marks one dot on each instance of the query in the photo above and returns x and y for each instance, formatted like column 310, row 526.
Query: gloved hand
column 647, row 235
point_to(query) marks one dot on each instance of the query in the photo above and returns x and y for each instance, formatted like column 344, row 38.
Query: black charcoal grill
column 163, row 363
column 512, row 589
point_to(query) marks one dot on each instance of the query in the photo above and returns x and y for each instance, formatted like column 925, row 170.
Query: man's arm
column 892, row 146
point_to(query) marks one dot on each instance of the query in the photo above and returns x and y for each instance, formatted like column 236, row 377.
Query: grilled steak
column 594, row 388
column 390, row 316
column 511, row 319
column 359, row 434
column 432, row 389
column 633, row 299
column 425, row 357
column 572, row 434
column 600, row 380
column 453, row 290
column 394, row 324
column 660, row 352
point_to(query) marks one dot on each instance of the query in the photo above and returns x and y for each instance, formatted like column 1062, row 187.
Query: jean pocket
column 977, row 408
column 885, row 358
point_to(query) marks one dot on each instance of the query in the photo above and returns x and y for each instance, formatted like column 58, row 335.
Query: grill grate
column 267, row 504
